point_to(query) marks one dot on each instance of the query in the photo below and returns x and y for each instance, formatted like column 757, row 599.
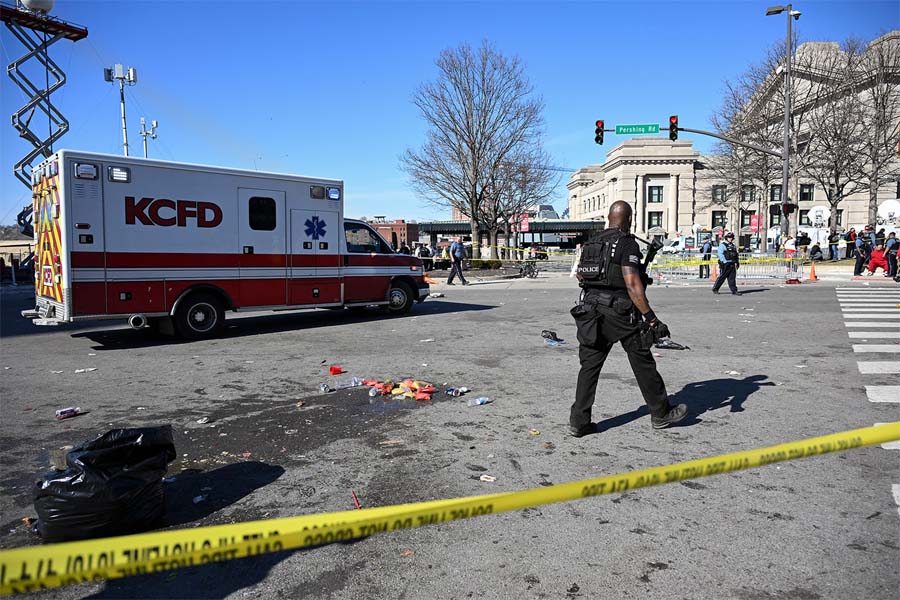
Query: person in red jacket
column 878, row 259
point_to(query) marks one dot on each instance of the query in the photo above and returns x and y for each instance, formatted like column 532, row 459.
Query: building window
column 718, row 218
column 718, row 194
column 654, row 218
column 839, row 217
column 745, row 217
column 804, row 218
column 655, row 193
column 806, row 192
column 775, row 216
column 775, row 194
column 262, row 214
column 747, row 194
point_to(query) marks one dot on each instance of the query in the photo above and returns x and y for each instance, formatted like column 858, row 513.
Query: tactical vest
column 731, row 252
column 596, row 268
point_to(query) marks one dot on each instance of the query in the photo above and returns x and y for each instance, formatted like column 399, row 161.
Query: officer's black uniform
column 607, row 316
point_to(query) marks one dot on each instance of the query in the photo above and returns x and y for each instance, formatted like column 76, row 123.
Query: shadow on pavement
column 127, row 338
column 753, row 291
column 700, row 397
column 222, row 487
column 713, row 394
column 225, row 486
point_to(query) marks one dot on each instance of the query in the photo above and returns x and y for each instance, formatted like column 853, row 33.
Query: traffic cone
column 812, row 272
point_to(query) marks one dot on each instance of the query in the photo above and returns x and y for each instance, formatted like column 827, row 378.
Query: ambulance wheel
column 199, row 316
column 400, row 298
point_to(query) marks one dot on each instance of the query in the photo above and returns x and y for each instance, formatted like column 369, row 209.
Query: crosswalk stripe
column 874, row 334
column 894, row 348
column 871, row 324
column 872, row 302
column 873, row 315
column 883, row 393
column 895, row 445
column 878, row 367
column 884, row 309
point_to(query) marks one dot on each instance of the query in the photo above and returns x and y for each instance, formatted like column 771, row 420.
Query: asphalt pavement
column 775, row 365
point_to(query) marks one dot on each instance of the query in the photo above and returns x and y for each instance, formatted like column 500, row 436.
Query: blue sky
column 325, row 88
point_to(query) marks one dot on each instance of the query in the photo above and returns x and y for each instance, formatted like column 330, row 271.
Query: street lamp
column 786, row 161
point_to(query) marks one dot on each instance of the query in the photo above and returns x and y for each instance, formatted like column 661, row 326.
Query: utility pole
column 123, row 76
column 145, row 132
column 786, row 159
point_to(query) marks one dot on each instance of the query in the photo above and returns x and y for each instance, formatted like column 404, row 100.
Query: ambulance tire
column 400, row 298
column 199, row 316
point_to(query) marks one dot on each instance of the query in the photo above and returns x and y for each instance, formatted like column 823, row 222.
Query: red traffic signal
column 598, row 132
column 787, row 208
column 673, row 127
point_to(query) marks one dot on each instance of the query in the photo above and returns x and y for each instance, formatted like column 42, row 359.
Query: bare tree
column 479, row 111
column 525, row 180
column 830, row 147
column 880, row 107
column 749, row 112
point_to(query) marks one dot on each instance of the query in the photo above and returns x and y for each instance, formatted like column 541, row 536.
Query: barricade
column 686, row 266
column 54, row 565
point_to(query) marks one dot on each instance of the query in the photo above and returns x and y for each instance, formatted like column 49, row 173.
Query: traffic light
column 673, row 127
column 787, row 208
column 598, row 133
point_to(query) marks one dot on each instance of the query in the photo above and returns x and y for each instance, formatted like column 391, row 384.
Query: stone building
column 676, row 191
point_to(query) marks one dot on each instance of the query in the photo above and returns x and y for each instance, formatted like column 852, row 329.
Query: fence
column 753, row 266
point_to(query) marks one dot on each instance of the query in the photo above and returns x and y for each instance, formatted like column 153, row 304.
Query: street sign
column 630, row 129
column 754, row 223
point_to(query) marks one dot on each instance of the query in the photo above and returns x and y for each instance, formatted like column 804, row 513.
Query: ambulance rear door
column 263, row 259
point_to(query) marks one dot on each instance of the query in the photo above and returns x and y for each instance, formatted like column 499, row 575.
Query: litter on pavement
column 668, row 344
column 488, row 478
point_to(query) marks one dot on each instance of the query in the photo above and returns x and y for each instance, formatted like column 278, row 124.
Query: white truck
column 174, row 245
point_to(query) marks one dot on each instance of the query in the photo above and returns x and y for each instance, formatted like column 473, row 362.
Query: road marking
column 872, row 324
column 886, row 310
column 883, row 393
column 891, row 303
column 874, row 334
column 896, row 491
column 876, row 348
column 878, row 367
column 871, row 315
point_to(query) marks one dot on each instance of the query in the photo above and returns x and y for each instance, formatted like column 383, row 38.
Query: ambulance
column 175, row 246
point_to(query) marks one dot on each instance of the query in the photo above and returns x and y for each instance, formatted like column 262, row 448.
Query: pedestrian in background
column 729, row 263
column 790, row 247
column 707, row 255
column 833, row 240
column 862, row 254
column 891, row 246
column 877, row 259
column 850, row 238
column 457, row 254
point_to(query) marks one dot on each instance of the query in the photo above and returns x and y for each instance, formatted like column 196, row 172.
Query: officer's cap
column 729, row 235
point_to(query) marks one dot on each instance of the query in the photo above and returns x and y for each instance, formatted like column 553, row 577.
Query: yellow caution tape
column 54, row 565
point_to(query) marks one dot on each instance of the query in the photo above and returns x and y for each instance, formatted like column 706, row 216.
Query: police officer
column 707, row 254
column 614, row 308
column 729, row 263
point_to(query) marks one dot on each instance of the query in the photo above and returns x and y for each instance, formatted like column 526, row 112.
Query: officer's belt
column 603, row 298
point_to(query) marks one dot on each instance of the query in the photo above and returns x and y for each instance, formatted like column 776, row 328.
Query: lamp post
column 786, row 161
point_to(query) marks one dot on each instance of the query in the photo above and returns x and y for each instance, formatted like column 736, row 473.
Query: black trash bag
column 112, row 486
